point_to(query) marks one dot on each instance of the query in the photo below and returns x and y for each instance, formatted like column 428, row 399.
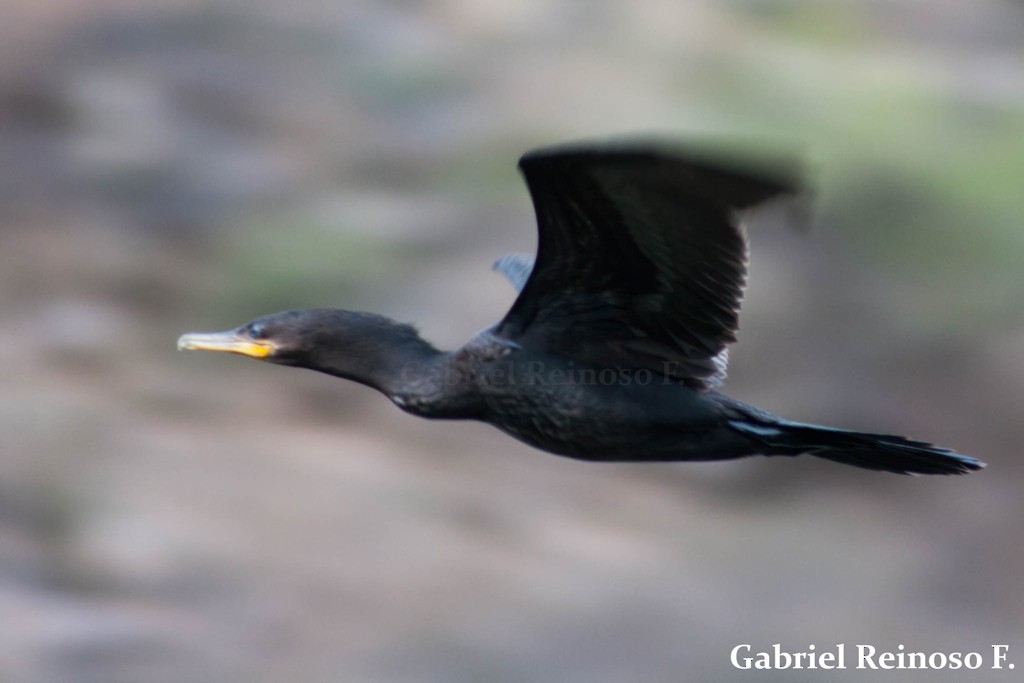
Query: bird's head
column 277, row 338
column 348, row 344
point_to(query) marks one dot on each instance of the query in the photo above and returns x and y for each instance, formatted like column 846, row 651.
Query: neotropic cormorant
column 615, row 345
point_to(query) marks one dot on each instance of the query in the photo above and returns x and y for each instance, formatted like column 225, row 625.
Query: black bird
column 615, row 345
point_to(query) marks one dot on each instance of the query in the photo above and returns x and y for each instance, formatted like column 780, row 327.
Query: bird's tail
column 886, row 452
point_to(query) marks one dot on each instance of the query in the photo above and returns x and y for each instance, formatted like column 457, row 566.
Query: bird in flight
column 617, row 342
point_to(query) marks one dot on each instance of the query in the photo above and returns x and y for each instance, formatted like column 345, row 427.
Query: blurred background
column 177, row 165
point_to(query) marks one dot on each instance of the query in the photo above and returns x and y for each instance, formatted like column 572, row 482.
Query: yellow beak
column 231, row 341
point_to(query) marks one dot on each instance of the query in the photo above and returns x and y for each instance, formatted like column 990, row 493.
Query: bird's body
column 567, row 408
column 618, row 338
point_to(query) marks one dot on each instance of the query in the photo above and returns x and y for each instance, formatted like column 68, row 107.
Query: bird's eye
column 256, row 331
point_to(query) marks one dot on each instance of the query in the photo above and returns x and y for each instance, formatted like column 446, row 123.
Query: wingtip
column 736, row 172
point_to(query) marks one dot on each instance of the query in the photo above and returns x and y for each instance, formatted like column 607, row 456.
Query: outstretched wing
column 641, row 261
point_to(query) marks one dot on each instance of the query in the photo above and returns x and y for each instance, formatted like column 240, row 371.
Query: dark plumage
column 618, row 337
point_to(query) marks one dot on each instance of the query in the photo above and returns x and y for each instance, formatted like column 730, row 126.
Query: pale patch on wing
column 721, row 362
column 516, row 267
column 755, row 429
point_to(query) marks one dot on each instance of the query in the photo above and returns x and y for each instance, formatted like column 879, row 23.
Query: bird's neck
column 384, row 364
column 410, row 371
